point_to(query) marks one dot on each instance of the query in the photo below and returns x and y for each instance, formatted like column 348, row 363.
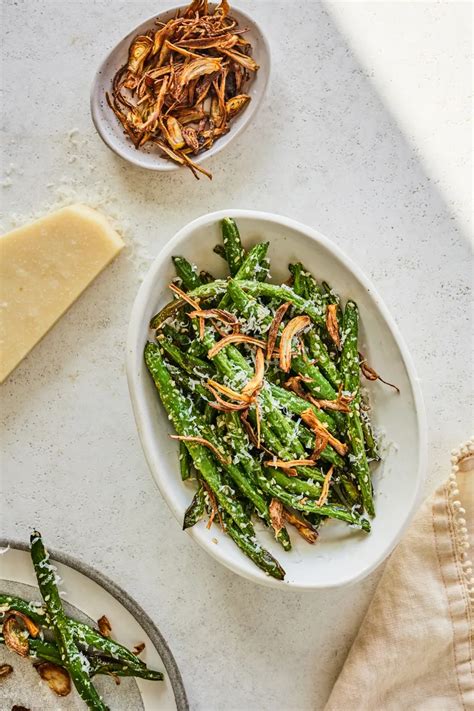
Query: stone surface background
column 326, row 150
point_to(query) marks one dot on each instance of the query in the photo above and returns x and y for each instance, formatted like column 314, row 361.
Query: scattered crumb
column 70, row 189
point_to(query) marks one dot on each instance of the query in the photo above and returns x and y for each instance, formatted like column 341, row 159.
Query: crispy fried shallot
column 233, row 394
column 275, row 509
column 371, row 374
column 292, row 328
column 30, row 626
column 205, row 443
column 294, row 384
column 5, row 670
column 310, row 418
column 234, row 338
column 224, row 405
column 258, row 419
column 138, row 648
column 341, row 403
column 290, row 464
column 304, row 528
column 105, row 628
column 332, row 325
column 14, row 635
column 184, row 296
column 218, row 315
column 213, row 504
column 274, row 328
column 325, row 491
column 255, row 383
column 56, row 677
column 184, row 82
column 321, row 441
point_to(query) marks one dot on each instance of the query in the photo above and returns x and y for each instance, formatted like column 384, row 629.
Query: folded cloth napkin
column 414, row 647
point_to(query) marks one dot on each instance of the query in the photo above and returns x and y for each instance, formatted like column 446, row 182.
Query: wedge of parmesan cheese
column 44, row 267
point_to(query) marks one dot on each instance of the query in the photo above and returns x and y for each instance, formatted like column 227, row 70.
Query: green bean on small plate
column 70, row 637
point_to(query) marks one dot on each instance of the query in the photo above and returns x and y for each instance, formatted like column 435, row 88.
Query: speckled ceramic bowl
column 150, row 157
column 342, row 555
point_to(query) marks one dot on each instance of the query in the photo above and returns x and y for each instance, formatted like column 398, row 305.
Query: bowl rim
column 133, row 338
column 218, row 145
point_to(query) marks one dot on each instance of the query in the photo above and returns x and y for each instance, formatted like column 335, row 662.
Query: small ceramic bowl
column 109, row 127
column 341, row 555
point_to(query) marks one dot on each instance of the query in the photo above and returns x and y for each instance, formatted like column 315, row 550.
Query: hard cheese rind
column 44, row 267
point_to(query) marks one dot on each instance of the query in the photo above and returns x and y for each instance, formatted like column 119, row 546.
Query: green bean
column 234, row 251
column 299, row 283
column 254, row 262
column 82, row 633
column 261, row 557
column 191, row 384
column 111, row 668
column 195, row 510
column 175, row 336
column 282, row 425
column 297, row 405
column 45, row 651
column 168, row 311
column 371, row 446
column 184, row 462
column 244, row 485
column 350, row 370
column 37, row 614
column 179, row 409
column 187, row 272
column 191, row 364
column 74, row 661
column 282, row 294
column 320, row 354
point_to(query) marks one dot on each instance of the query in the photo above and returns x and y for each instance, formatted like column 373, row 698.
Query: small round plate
column 87, row 596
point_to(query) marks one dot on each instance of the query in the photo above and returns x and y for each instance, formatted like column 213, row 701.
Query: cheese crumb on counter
column 44, row 267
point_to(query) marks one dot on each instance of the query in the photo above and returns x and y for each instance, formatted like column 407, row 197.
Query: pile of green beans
column 238, row 453
column 81, row 650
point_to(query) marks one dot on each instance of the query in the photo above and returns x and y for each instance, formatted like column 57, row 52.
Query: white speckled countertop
column 325, row 150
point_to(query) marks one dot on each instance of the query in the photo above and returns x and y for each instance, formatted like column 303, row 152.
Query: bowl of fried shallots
column 180, row 86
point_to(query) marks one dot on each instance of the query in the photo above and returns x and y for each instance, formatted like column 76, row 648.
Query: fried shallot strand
column 275, row 509
column 205, row 443
column 292, row 328
column 325, row 491
column 371, row 374
column 274, row 328
column 255, row 383
column 289, row 465
column 309, row 417
column 234, row 338
column 332, row 325
column 304, row 528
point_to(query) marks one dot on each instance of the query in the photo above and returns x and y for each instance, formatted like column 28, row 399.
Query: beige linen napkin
column 414, row 648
